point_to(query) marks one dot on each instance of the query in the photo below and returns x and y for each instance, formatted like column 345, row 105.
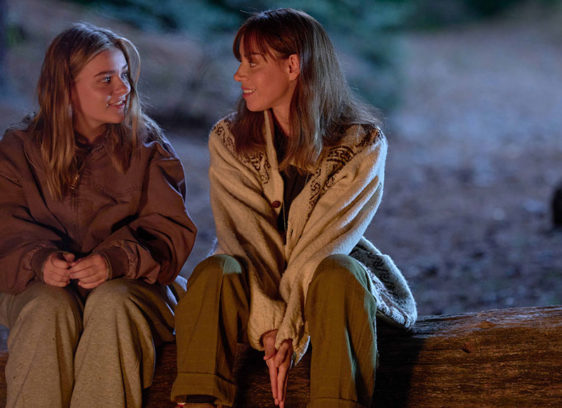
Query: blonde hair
column 52, row 126
column 322, row 106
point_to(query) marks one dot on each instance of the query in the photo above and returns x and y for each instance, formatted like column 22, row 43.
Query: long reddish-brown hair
column 53, row 127
column 322, row 106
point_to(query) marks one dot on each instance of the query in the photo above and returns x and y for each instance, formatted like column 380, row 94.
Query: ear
column 293, row 66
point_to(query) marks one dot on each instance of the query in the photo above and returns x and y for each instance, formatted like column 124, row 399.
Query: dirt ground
column 475, row 153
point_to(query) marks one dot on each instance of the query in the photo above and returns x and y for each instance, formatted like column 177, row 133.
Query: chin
column 116, row 120
column 255, row 108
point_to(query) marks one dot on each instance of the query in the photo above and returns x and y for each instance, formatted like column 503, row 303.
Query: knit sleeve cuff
column 265, row 315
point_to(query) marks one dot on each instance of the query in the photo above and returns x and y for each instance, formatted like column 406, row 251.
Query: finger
column 273, row 380
column 285, row 387
column 282, row 376
column 54, row 273
column 83, row 263
column 68, row 257
column 89, row 280
column 91, row 285
column 58, row 283
column 54, row 278
column 95, row 276
column 59, row 262
column 269, row 349
column 81, row 273
column 280, row 356
column 284, row 353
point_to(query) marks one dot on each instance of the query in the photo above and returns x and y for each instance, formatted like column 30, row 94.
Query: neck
column 282, row 119
column 90, row 134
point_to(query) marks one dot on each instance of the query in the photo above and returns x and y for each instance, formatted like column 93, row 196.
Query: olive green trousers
column 99, row 351
column 340, row 312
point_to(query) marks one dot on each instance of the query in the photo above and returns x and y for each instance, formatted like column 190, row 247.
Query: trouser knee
column 217, row 268
column 42, row 306
column 335, row 274
column 113, row 299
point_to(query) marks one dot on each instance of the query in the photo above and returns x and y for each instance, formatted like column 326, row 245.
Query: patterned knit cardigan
column 329, row 216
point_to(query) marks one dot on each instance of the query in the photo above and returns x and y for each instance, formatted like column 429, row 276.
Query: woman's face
column 100, row 92
column 267, row 82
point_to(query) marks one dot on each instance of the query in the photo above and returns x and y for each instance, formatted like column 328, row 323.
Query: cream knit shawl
column 329, row 216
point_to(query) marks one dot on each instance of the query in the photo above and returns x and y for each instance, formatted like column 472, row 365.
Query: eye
column 125, row 75
column 106, row 79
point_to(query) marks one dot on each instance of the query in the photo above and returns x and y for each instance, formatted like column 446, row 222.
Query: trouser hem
column 204, row 384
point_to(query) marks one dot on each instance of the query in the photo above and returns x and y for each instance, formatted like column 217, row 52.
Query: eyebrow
column 255, row 54
column 123, row 68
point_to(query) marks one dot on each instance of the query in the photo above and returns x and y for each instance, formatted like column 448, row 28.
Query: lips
column 247, row 92
column 117, row 104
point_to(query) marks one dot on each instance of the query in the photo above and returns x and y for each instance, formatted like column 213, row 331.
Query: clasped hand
column 278, row 362
column 61, row 267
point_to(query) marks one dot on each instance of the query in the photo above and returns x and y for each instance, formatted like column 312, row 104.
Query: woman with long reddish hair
column 94, row 231
column 296, row 176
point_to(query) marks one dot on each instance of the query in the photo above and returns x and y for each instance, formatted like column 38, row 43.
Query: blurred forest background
column 470, row 92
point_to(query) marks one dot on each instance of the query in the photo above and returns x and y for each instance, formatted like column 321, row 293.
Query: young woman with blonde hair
column 94, row 231
column 296, row 177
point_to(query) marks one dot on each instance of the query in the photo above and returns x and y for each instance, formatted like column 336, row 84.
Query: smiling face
column 268, row 82
column 100, row 91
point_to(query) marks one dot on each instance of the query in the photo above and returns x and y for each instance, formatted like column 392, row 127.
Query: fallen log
column 497, row 358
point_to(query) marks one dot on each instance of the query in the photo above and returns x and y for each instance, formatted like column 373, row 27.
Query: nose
column 123, row 87
column 239, row 74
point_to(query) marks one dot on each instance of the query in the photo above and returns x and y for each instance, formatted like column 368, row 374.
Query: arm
column 155, row 243
column 246, row 228
column 24, row 243
column 335, row 225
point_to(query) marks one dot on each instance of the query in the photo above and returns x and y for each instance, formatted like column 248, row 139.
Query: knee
column 50, row 306
column 335, row 272
column 111, row 297
column 216, row 268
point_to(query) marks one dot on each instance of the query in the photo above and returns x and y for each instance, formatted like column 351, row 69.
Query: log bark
column 497, row 358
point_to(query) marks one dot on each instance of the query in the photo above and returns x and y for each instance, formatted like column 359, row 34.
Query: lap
column 38, row 298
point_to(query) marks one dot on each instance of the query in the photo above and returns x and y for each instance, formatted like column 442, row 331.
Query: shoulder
column 363, row 136
column 18, row 152
column 14, row 138
column 155, row 143
column 222, row 141
column 18, row 146
column 357, row 140
column 221, row 132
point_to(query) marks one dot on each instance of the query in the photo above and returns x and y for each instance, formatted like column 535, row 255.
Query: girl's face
column 100, row 92
column 267, row 82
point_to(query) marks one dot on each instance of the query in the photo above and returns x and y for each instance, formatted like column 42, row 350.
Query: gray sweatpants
column 65, row 350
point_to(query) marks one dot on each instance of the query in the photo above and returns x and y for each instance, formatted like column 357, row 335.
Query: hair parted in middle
column 53, row 127
column 322, row 106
